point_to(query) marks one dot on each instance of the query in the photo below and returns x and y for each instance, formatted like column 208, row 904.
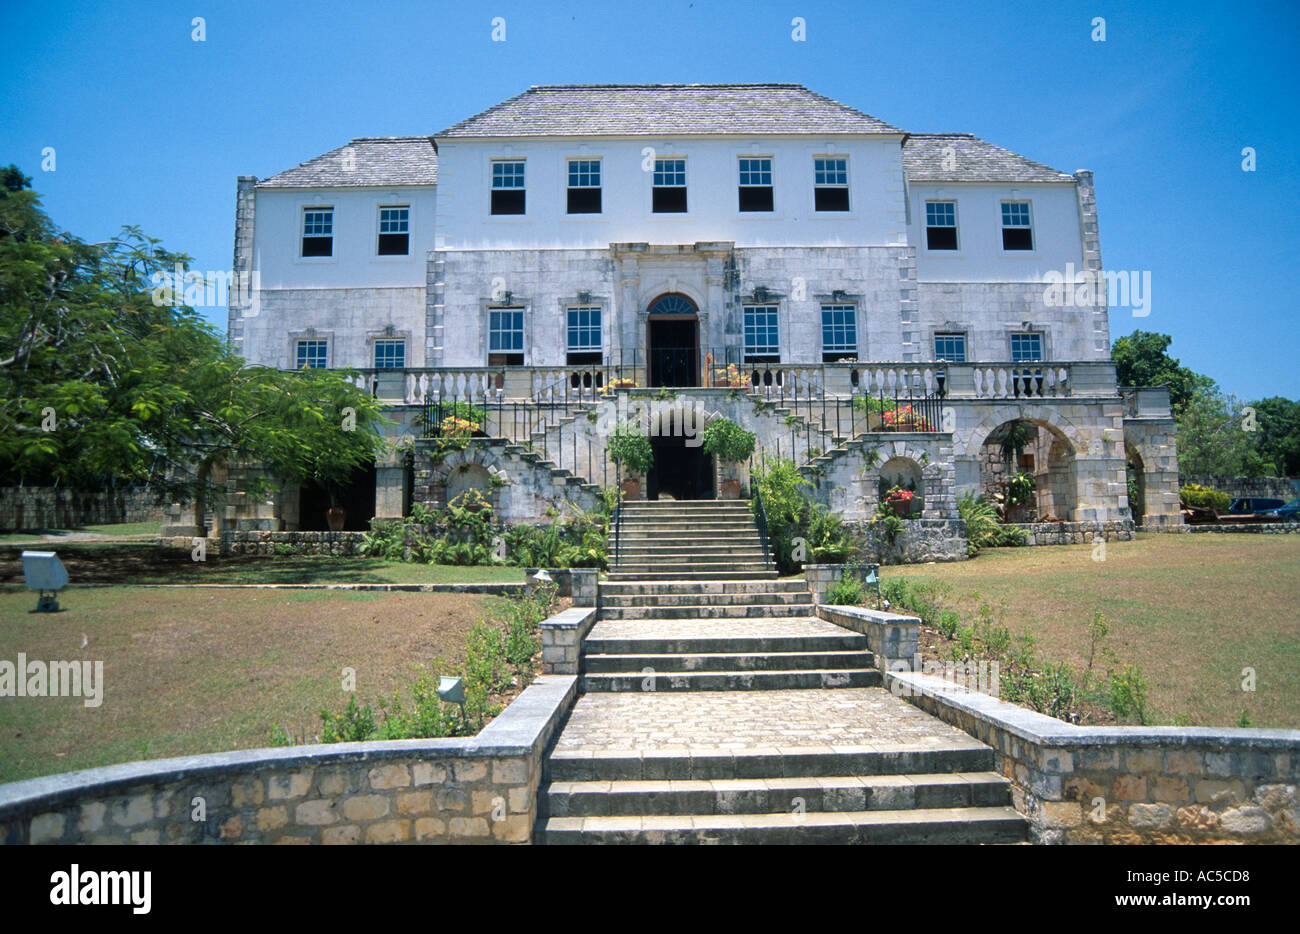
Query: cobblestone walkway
column 753, row 720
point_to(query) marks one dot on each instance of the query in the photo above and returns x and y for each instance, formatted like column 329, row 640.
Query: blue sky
column 151, row 128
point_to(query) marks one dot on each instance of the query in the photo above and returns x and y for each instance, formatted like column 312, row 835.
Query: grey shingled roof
column 961, row 157
column 667, row 110
column 374, row 161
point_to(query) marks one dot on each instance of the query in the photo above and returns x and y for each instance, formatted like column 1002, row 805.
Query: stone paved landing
column 714, row 628
column 748, row 720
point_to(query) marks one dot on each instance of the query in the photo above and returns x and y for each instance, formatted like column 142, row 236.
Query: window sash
column 312, row 353
column 390, row 354
column 1026, row 348
column 941, row 214
column 508, row 175
column 584, row 173
column 318, row 222
column 506, row 331
column 831, row 173
column 394, row 220
column 584, row 332
column 950, row 347
column 1015, row 214
column 762, row 331
column 755, row 172
column 670, row 173
column 839, row 328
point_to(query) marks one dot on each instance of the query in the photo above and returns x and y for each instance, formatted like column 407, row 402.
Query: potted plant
column 900, row 500
column 732, row 446
column 631, row 450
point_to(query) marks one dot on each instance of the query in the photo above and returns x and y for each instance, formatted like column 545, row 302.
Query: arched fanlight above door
column 674, row 303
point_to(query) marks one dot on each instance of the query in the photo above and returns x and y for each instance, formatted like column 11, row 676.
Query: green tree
column 1212, row 440
column 106, row 379
column 1277, row 437
column 1141, row 359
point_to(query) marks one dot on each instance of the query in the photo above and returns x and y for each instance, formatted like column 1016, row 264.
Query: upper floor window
column 584, row 343
column 390, row 354
column 318, row 232
column 1017, row 229
column 394, row 230
column 830, row 184
column 1026, row 347
column 755, row 184
column 839, row 332
column 950, row 346
column 313, row 354
column 506, row 337
column 669, row 186
column 508, row 186
column 762, row 334
column 584, row 186
column 941, row 225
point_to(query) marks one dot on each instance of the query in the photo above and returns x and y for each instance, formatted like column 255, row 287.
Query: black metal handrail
column 760, row 513
column 618, row 512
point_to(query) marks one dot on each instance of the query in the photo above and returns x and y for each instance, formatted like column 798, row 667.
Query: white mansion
column 575, row 239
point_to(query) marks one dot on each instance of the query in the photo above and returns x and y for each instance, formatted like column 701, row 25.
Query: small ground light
column 453, row 690
column 44, row 573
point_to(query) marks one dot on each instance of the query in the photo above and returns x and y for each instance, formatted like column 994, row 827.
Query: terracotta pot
column 730, row 489
column 900, row 508
column 631, row 489
column 336, row 518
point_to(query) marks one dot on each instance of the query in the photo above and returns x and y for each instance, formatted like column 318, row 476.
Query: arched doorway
column 673, row 341
column 1135, row 475
column 1027, row 466
column 905, row 473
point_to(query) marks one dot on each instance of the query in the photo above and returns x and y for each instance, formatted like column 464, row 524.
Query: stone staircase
column 717, row 708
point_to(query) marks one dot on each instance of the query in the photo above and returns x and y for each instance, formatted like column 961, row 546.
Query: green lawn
column 114, row 530
column 1192, row 610
column 146, row 563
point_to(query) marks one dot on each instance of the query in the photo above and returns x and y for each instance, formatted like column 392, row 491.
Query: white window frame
column 386, row 341
column 839, row 307
column 1029, row 225
column 955, row 225
column 303, row 235
column 944, row 335
column 750, row 352
column 298, row 356
column 827, row 157
column 379, row 230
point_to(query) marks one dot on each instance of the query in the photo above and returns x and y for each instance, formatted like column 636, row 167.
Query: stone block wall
column 267, row 544
column 1127, row 785
column 1277, row 487
column 921, row 540
column 891, row 637
column 38, row 507
column 467, row 790
column 562, row 637
column 1076, row 533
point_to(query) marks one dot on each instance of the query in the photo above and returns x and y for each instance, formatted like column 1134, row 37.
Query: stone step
column 653, row 645
column 686, row 529
column 934, row 826
column 776, row 680
column 694, row 660
column 775, row 795
column 618, row 588
column 729, row 574
column 704, row 611
column 586, row 765
column 707, row 599
column 690, row 568
column 696, row 550
column 691, row 505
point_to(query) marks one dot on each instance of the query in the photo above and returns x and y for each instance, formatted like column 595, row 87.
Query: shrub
column 727, row 441
column 1127, row 695
column 1204, row 497
column 631, row 449
column 847, row 591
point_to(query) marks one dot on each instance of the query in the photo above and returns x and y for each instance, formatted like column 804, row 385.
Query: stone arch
column 902, row 470
column 1135, row 467
column 1049, row 457
column 666, row 287
column 475, row 467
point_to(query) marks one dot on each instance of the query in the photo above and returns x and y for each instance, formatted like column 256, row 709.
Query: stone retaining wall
column 1276, row 487
column 562, row 637
column 286, row 543
column 36, row 507
column 1076, row 533
column 920, row 541
column 1259, row 528
column 1127, row 785
column 480, row 789
column 891, row 637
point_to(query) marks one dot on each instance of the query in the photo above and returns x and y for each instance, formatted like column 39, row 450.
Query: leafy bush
column 1204, row 497
column 727, row 441
column 983, row 530
column 847, row 591
column 631, row 449
column 1020, row 489
column 1127, row 694
column 791, row 514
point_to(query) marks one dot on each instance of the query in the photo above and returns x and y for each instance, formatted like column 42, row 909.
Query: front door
column 681, row 471
column 674, row 350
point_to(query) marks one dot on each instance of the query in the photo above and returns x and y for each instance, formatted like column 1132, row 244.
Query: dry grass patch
column 1192, row 610
column 192, row 671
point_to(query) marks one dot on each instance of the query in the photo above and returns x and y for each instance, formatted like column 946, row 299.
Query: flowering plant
column 731, row 377
column 904, row 419
column 896, row 494
column 458, row 427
